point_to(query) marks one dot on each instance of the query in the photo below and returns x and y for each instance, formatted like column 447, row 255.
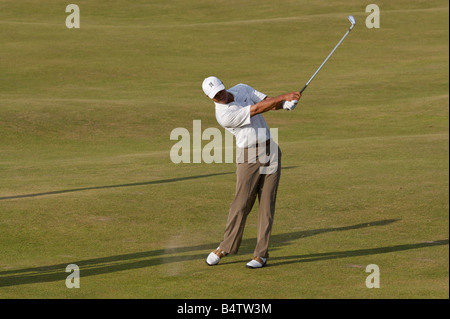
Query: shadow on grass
column 104, row 265
column 162, row 181
column 352, row 253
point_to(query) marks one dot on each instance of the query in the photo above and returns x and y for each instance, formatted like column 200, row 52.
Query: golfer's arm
column 268, row 104
column 279, row 106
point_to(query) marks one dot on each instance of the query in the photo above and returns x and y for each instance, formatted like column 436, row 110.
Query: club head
column 352, row 21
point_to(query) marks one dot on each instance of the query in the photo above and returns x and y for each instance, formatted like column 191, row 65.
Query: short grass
column 86, row 177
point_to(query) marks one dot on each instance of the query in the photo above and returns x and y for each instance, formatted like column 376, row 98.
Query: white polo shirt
column 235, row 117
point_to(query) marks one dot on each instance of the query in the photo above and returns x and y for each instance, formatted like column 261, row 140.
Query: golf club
column 353, row 22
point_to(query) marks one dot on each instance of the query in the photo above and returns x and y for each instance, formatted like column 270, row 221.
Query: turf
column 86, row 177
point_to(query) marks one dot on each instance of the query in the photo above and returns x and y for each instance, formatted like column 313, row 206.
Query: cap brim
column 216, row 90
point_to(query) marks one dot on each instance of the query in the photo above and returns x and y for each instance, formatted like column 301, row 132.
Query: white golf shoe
column 257, row 262
column 215, row 256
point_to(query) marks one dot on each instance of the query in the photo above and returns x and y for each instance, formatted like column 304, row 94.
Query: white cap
column 211, row 86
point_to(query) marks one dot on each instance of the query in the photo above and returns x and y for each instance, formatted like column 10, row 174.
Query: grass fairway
column 86, row 177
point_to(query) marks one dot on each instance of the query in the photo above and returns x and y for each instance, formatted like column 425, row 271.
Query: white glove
column 290, row 105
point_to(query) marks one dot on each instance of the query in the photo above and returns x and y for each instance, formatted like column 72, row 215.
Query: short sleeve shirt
column 235, row 117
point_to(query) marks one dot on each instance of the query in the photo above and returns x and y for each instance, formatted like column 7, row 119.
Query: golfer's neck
column 230, row 98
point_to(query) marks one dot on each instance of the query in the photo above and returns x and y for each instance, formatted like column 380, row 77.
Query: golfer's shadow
column 290, row 259
column 280, row 240
column 104, row 265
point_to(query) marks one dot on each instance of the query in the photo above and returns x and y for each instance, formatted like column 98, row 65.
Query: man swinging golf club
column 238, row 110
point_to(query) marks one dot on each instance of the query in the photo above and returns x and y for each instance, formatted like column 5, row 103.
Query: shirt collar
column 220, row 106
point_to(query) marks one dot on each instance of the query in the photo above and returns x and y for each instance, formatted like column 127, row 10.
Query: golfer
column 238, row 110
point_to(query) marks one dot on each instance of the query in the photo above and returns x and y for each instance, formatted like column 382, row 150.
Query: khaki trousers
column 249, row 184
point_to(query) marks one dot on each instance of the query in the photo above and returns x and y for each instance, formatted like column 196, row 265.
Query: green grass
column 86, row 177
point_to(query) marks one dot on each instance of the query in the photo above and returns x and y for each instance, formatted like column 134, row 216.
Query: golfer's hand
column 291, row 100
column 292, row 96
column 290, row 105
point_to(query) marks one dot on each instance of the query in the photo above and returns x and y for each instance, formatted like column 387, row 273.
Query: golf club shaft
column 325, row 61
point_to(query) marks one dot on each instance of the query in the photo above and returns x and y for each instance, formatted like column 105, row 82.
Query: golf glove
column 290, row 105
